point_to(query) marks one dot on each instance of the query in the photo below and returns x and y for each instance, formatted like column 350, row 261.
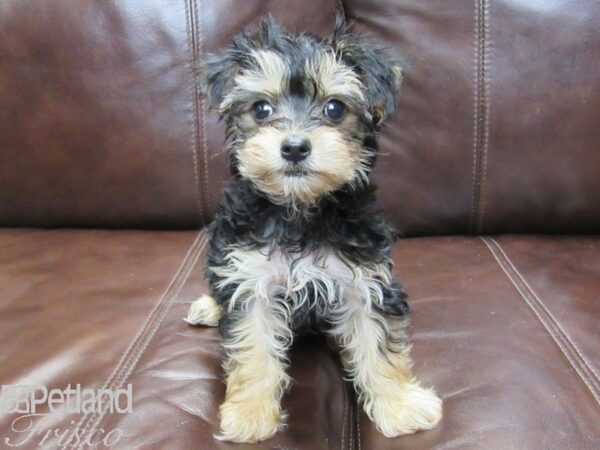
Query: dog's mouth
column 296, row 172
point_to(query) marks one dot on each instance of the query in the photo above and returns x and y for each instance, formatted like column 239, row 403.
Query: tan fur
column 391, row 396
column 204, row 311
column 269, row 79
column 266, row 101
column 256, row 378
column 255, row 375
column 323, row 273
column 333, row 163
column 334, row 78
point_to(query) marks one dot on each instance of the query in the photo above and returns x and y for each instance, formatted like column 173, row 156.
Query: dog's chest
column 281, row 273
column 319, row 276
column 312, row 282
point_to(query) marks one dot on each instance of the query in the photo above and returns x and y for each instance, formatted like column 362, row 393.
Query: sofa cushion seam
column 475, row 116
column 480, row 114
column 166, row 300
column 485, row 64
column 202, row 110
column 344, row 414
column 562, row 340
column 351, row 434
column 195, row 96
column 359, row 445
column 548, row 312
column 139, row 343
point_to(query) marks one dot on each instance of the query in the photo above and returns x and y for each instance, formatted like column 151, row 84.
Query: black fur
column 380, row 75
column 347, row 219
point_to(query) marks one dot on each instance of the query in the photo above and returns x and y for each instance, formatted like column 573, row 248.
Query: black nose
column 295, row 149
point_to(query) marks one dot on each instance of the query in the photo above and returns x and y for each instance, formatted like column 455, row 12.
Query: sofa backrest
column 497, row 129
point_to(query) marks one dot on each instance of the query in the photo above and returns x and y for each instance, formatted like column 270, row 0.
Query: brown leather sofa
column 110, row 164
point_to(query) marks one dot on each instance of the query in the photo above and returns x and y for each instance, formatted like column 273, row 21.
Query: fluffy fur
column 299, row 246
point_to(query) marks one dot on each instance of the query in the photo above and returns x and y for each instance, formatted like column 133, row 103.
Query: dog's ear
column 216, row 72
column 380, row 75
column 216, row 75
column 267, row 35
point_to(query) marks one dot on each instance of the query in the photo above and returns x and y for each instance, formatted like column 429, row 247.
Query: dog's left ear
column 380, row 75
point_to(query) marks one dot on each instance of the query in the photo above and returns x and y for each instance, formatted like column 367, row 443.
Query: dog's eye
column 335, row 110
column 262, row 110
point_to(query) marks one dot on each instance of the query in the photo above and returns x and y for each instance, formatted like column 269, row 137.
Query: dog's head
column 301, row 111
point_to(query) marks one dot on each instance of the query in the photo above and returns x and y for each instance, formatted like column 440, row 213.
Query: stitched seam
column 151, row 335
column 480, row 121
column 559, row 335
column 351, row 434
column 164, row 307
column 169, row 299
column 561, row 339
column 486, row 111
column 124, row 362
column 200, row 47
column 138, row 345
column 346, row 402
column 475, row 118
column 358, row 429
column 195, row 95
column 543, row 306
column 138, row 336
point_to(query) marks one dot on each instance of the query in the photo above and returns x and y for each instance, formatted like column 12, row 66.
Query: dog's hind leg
column 204, row 311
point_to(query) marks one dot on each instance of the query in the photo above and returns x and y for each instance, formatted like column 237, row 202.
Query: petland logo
column 34, row 402
column 27, row 399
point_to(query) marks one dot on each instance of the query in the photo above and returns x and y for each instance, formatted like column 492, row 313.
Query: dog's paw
column 204, row 311
column 250, row 421
column 411, row 409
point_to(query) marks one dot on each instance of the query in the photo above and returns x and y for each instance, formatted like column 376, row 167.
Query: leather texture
column 496, row 129
column 105, row 308
column 496, row 132
column 101, row 124
column 505, row 328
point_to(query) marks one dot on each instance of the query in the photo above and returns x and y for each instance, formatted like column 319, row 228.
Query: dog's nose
column 295, row 149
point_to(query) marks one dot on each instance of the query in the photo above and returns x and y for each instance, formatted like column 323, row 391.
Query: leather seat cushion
column 504, row 328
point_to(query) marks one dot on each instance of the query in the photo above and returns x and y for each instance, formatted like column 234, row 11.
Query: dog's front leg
column 256, row 338
column 375, row 353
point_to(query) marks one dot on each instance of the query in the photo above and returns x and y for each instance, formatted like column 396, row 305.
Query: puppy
column 297, row 243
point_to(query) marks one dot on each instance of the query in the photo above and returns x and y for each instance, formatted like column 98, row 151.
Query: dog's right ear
column 216, row 75
column 216, row 72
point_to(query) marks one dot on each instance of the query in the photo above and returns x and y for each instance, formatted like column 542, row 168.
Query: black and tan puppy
column 297, row 243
